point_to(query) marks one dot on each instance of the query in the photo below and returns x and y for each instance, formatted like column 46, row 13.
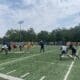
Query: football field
column 33, row 65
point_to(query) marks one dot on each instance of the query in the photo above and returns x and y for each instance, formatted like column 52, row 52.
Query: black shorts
column 63, row 52
column 74, row 52
column 42, row 47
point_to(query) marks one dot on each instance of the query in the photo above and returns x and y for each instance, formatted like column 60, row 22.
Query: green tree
column 30, row 35
column 12, row 35
column 43, row 35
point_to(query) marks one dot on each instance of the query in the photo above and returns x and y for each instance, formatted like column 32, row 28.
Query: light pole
column 20, row 23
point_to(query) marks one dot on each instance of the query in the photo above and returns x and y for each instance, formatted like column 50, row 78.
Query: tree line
column 72, row 34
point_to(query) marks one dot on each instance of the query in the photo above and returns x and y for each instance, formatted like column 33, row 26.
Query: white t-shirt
column 5, row 46
column 64, row 48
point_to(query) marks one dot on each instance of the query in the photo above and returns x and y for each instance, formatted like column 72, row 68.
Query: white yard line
column 20, row 59
column 11, row 72
column 18, row 52
column 23, row 76
column 69, row 69
column 43, row 77
column 45, row 62
column 9, row 77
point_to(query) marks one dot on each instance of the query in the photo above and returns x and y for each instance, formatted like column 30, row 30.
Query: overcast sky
column 39, row 14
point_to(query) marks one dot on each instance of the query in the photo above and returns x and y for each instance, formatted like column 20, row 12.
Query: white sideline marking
column 9, row 77
column 45, row 62
column 2, row 68
column 43, row 77
column 18, row 52
column 20, row 59
column 23, row 76
column 69, row 70
column 11, row 72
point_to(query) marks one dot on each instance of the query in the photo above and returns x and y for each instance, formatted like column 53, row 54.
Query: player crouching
column 74, row 51
column 63, row 51
column 4, row 48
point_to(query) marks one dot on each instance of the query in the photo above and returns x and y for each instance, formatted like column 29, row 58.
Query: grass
column 39, row 64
